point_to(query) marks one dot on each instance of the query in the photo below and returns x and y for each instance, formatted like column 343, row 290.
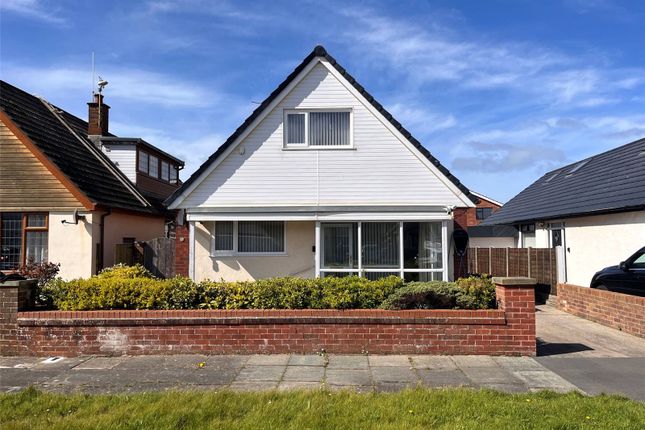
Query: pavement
column 573, row 355
column 360, row 373
column 595, row 358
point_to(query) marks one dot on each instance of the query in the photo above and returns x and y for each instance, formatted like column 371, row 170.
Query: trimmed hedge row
column 123, row 287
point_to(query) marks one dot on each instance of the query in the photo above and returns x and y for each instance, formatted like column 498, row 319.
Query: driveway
column 595, row 358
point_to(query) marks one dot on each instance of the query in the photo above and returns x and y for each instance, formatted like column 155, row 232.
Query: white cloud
column 133, row 85
column 33, row 9
column 436, row 55
column 421, row 119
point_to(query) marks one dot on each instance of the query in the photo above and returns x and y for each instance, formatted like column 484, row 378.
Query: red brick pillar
column 14, row 296
column 516, row 297
column 181, row 250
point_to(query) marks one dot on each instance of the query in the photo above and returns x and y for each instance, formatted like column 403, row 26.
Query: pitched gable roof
column 321, row 52
column 62, row 138
column 613, row 181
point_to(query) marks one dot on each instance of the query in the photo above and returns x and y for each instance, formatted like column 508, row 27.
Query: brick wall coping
column 257, row 317
column 518, row 281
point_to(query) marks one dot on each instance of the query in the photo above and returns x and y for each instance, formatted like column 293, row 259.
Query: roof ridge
column 98, row 155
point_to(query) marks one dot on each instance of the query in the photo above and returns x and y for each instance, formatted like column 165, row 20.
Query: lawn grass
column 414, row 409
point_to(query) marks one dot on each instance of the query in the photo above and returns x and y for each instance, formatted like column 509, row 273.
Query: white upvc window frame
column 236, row 253
column 305, row 146
column 401, row 270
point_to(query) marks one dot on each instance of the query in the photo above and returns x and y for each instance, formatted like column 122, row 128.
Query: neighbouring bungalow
column 480, row 236
column 591, row 211
column 322, row 181
column 70, row 191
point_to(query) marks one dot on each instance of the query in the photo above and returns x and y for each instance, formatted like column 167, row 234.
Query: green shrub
column 479, row 292
column 296, row 293
column 466, row 293
column 122, row 271
column 136, row 289
column 424, row 295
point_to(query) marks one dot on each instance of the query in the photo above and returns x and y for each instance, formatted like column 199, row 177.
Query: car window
column 639, row 263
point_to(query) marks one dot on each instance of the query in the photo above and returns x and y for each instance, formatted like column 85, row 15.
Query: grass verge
column 410, row 409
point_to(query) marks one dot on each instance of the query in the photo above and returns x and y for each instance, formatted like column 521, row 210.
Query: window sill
column 319, row 148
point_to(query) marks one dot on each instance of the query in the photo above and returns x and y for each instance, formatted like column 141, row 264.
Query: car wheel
column 602, row 287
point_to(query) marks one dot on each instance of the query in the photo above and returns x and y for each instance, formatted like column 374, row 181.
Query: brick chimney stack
column 97, row 123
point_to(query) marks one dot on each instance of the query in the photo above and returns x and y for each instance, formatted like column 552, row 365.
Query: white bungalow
column 320, row 180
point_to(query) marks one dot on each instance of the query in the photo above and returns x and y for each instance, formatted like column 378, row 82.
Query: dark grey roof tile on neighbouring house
column 492, row 231
column 613, row 181
column 320, row 51
column 84, row 167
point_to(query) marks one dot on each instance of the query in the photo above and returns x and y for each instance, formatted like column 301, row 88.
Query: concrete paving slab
column 506, row 388
column 544, row 380
column 389, row 360
column 442, row 362
column 142, row 362
column 463, row 361
column 352, row 388
column 348, row 362
column 226, row 361
column 489, row 375
column 518, row 363
column 348, row 377
column 260, row 373
column 188, row 361
column 304, row 373
column 268, row 360
column 18, row 362
column 99, row 363
column 394, row 374
column 307, row 360
column 444, row 378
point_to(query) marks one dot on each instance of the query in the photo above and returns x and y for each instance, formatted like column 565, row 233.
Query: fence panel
column 159, row 257
column 538, row 263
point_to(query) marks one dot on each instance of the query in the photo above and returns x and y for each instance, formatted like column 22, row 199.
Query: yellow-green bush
column 479, row 292
column 134, row 288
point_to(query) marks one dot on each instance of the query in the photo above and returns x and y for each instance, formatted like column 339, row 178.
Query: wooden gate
column 159, row 257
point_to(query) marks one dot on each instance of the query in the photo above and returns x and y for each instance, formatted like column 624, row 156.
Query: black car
column 627, row 278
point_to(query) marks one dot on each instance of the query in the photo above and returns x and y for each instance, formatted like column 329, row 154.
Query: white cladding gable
column 379, row 170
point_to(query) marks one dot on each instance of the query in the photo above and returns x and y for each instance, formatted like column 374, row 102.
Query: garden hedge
column 123, row 287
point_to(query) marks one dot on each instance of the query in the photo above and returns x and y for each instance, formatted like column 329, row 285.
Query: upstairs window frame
column 483, row 212
column 306, row 145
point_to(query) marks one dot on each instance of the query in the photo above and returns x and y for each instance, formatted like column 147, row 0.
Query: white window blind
column 260, row 236
column 223, row 236
column 329, row 129
column 248, row 237
column 296, row 128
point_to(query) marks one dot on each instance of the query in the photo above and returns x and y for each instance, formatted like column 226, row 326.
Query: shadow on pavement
column 546, row 348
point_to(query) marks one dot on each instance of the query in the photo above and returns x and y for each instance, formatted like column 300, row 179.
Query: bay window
column 248, row 237
column 23, row 239
column 317, row 129
column 411, row 250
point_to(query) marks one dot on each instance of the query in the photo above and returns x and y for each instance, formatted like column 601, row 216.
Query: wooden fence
column 538, row 263
column 156, row 255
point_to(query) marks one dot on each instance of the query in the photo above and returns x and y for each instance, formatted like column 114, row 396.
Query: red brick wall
column 509, row 330
column 621, row 311
column 181, row 250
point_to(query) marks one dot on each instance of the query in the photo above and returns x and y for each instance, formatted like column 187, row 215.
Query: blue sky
column 500, row 91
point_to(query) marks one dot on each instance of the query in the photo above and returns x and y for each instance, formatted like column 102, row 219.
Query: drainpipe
column 102, row 238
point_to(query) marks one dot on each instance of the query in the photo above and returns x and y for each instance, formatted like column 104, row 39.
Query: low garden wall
column 508, row 330
column 620, row 311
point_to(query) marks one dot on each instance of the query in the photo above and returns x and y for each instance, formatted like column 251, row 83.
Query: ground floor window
column 248, row 237
column 23, row 239
column 412, row 250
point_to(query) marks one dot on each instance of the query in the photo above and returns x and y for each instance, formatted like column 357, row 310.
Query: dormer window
column 318, row 129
